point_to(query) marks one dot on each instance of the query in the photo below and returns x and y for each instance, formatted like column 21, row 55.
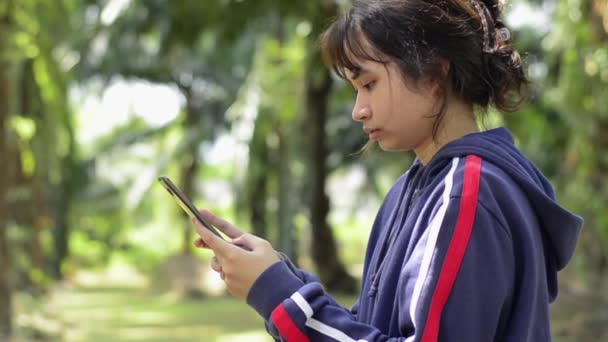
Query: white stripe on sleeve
column 318, row 325
column 302, row 304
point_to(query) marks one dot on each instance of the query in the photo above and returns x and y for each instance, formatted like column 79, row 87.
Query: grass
column 122, row 313
column 132, row 314
column 120, row 304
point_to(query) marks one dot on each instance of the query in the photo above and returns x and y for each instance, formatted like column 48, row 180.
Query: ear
column 435, row 84
column 444, row 66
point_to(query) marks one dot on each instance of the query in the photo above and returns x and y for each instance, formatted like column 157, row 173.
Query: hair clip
column 503, row 35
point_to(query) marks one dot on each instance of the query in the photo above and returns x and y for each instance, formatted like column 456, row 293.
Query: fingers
column 240, row 262
column 221, row 224
column 216, row 266
column 248, row 242
column 199, row 243
column 212, row 241
column 220, row 247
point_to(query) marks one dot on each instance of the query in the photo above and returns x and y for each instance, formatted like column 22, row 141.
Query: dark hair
column 418, row 34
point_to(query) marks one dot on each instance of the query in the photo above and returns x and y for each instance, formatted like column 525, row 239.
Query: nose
column 361, row 111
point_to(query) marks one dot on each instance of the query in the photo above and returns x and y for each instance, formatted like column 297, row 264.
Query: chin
column 388, row 147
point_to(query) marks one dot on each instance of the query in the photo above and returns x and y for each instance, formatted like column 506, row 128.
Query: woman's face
column 398, row 117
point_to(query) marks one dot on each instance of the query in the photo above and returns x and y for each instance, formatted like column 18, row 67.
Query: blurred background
column 230, row 99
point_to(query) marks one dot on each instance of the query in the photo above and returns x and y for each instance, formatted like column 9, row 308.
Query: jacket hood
column 560, row 227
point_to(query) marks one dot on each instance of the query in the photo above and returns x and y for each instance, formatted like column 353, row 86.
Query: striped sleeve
column 311, row 315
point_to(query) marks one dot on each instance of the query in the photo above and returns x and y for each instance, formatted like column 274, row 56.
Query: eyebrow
column 358, row 71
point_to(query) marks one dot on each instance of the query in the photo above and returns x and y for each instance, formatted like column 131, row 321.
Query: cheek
column 413, row 109
column 404, row 110
column 403, row 114
column 410, row 124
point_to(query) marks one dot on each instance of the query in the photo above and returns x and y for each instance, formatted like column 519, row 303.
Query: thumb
column 248, row 242
column 217, row 244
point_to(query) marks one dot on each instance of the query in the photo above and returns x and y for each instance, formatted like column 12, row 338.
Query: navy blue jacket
column 466, row 248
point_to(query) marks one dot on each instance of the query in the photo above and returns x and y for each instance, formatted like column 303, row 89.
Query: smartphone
column 186, row 205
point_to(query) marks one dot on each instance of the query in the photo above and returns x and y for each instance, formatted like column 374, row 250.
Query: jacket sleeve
column 276, row 335
column 305, row 278
column 301, row 312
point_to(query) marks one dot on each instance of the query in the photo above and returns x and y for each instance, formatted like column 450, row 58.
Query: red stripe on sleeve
column 286, row 326
column 457, row 248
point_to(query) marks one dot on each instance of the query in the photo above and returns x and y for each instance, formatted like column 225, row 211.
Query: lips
column 372, row 132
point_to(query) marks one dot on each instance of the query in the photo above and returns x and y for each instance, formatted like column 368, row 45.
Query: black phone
column 186, row 205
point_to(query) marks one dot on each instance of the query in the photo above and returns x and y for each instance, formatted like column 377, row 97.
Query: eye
column 369, row 86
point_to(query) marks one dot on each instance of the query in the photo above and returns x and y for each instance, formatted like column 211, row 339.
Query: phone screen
column 186, row 205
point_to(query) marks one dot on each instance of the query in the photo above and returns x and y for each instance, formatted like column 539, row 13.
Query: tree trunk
column 598, row 20
column 61, row 231
column 187, row 278
column 324, row 250
column 189, row 169
column 66, row 196
column 595, row 239
column 5, row 261
column 257, row 179
column 189, row 166
column 37, row 203
column 287, row 241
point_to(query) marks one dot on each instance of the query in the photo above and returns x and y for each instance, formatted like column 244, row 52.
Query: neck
column 457, row 122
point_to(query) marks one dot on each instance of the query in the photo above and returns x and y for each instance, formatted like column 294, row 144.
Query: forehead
column 356, row 55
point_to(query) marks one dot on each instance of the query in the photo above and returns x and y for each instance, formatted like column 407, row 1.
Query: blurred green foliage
column 80, row 187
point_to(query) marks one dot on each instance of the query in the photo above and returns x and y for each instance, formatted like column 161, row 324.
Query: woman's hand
column 239, row 263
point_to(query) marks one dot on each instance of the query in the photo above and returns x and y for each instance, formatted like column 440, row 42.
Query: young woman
column 467, row 244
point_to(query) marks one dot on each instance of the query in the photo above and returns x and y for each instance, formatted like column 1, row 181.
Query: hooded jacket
column 466, row 248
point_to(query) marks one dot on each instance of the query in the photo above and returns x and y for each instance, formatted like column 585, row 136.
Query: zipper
column 410, row 198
